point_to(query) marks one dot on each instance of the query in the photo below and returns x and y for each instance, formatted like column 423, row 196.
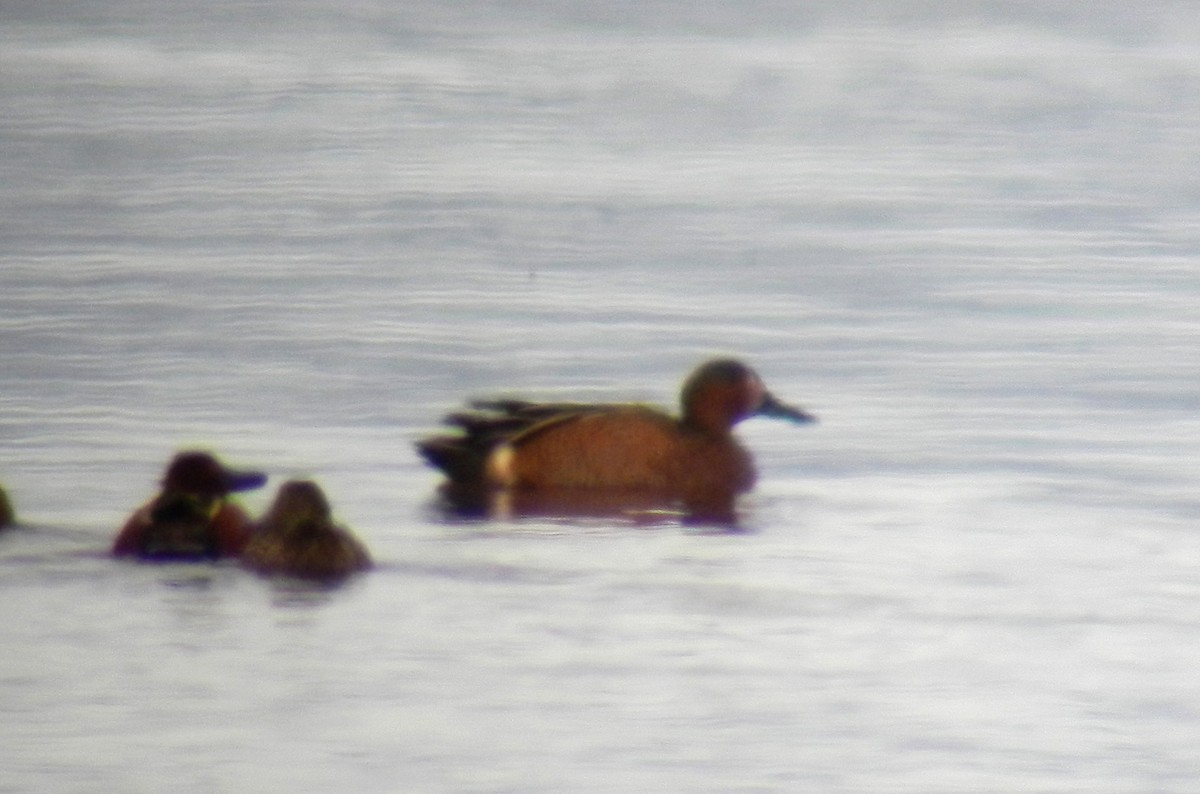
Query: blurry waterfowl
column 192, row 517
column 530, row 449
column 298, row 537
column 7, row 514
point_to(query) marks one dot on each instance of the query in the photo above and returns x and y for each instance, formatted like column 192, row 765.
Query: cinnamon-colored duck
column 563, row 452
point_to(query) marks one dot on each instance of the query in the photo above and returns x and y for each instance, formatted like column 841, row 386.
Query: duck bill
column 243, row 480
column 775, row 409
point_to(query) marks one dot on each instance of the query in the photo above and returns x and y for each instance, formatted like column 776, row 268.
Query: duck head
column 200, row 474
column 299, row 504
column 723, row 392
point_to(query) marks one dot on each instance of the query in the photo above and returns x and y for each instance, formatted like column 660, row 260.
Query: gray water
column 962, row 234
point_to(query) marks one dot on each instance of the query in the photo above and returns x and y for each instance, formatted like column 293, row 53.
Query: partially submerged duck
column 298, row 537
column 529, row 448
column 7, row 515
column 192, row 517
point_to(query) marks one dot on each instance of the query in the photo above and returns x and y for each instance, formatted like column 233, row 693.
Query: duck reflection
column 637, row 506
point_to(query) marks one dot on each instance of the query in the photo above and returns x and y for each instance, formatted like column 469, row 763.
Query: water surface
column 964, row 237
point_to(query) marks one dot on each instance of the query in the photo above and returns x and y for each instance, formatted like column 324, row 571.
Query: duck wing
column 462, row 454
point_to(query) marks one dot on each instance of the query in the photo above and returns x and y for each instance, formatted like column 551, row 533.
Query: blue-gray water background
column 963, row 234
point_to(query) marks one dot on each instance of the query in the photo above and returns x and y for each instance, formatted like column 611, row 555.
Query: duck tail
column 461, row 461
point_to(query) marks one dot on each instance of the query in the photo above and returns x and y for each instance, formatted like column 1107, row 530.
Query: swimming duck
column 527, row 446
column 297, row 537
column 192, row 517
column 7, row 515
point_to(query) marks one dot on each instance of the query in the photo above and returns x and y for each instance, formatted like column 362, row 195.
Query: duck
column 8, row 516
column 192, row 517
column 531, row 449
column 297, row 537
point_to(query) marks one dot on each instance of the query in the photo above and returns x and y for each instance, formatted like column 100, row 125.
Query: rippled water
column 963, row 236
